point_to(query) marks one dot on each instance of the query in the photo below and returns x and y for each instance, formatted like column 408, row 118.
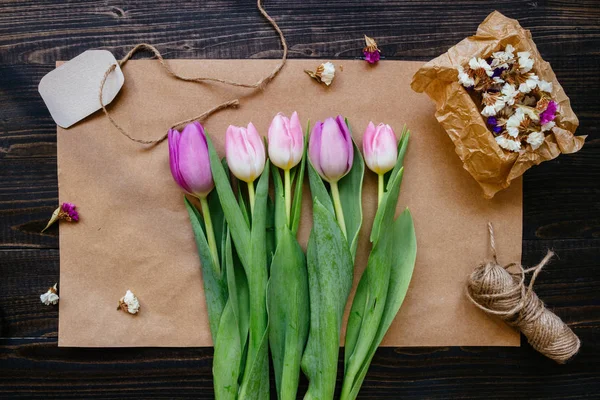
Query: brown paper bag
column 491, row 166
column 134, row 232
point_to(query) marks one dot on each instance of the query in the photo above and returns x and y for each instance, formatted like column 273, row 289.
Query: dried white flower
column 525, row 62
column 480, row 63
column 530, row 84
column 535, row 139
column 509, row 92
column 548, row 125
column 129, row 303
column 50, row 297
column 498, row 80
column 464, row 78
column 324, row 73
column 508, row 144
column 545, row 86
column 502, row 58
column 514, row 121
column 489, row 111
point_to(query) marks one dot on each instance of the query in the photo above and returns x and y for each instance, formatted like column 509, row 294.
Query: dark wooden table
column 561, row 197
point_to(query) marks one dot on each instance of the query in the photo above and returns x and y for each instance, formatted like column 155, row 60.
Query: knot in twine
column 497, row 291
column 259, row 85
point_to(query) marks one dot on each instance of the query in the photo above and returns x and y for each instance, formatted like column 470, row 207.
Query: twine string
column 260, row 84
column 498, row 291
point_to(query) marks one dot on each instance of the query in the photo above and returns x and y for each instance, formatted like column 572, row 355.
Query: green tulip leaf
column 350, row 187
column 280, row 219
column 330, row 275
column 403, row 255
column 297, row 200
column 387, row 207
column 257, row 365
column 318, row 190
column 288, row 313
column 215, row 285
column 402, row 147
column 240, row 232
column 230, row 343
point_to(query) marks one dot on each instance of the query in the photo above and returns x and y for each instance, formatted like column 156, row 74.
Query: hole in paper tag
column 71, row 90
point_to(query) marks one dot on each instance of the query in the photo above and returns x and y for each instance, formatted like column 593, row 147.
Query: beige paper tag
column 71, row 90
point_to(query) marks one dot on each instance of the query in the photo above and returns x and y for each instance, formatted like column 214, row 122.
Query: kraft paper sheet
column 134, row 231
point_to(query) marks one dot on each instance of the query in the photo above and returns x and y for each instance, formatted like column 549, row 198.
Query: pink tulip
column 380, row 148
column 330, row 149
column 286, row 142
column 189, row 160
column 245, row 152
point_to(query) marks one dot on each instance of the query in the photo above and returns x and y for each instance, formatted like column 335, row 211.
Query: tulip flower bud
column 286, row 142
column 330, row 149
column 245, row 152
column 189, row 160
column 380, row 148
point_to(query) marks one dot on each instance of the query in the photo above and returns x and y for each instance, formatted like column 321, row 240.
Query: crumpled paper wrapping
column 491, row 166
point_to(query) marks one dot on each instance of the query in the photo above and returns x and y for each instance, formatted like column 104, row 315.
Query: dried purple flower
column 498, row 72
column 69, row 212
column 549, row 113
column 66, row 212
column 493, row 122
column 371, row 52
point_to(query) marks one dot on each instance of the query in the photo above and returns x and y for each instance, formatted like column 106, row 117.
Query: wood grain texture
column 561, row 197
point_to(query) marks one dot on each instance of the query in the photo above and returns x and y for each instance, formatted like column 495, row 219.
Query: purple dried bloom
column 497, row 72
column 492, row 121
column 549, row 113
column 371, row 51
column 372, row 56
column 497, row 129
column 68, row 212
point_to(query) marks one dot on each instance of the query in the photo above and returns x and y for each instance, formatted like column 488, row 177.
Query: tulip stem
column 210, row 233
column 337, row 204
column 251, row 196
column 380, row 189
column 288, row 194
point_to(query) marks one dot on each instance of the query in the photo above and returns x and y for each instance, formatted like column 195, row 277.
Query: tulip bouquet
column 261, row 290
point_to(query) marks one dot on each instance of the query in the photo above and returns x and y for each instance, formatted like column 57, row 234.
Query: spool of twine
column 498, row 291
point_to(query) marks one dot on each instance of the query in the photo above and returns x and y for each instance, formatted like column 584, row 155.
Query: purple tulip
column 330, row 149
column 380, row 148
column 189, row 160
column 245, row 152
column 286, row 142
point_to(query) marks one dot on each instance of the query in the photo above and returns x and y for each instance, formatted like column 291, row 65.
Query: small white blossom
column 50, row 297
column 480, row 63
column 525, row 61
column 489, row 111
column 514, row 121
column 535, row 139
column 508, row 144
column 548, row 125
column 545, row 86
column 129, row 303
column 509, row 92
column 498, row 80
column 464, row 78
column 530, row 84
column 326, row 72
column 501, row 58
